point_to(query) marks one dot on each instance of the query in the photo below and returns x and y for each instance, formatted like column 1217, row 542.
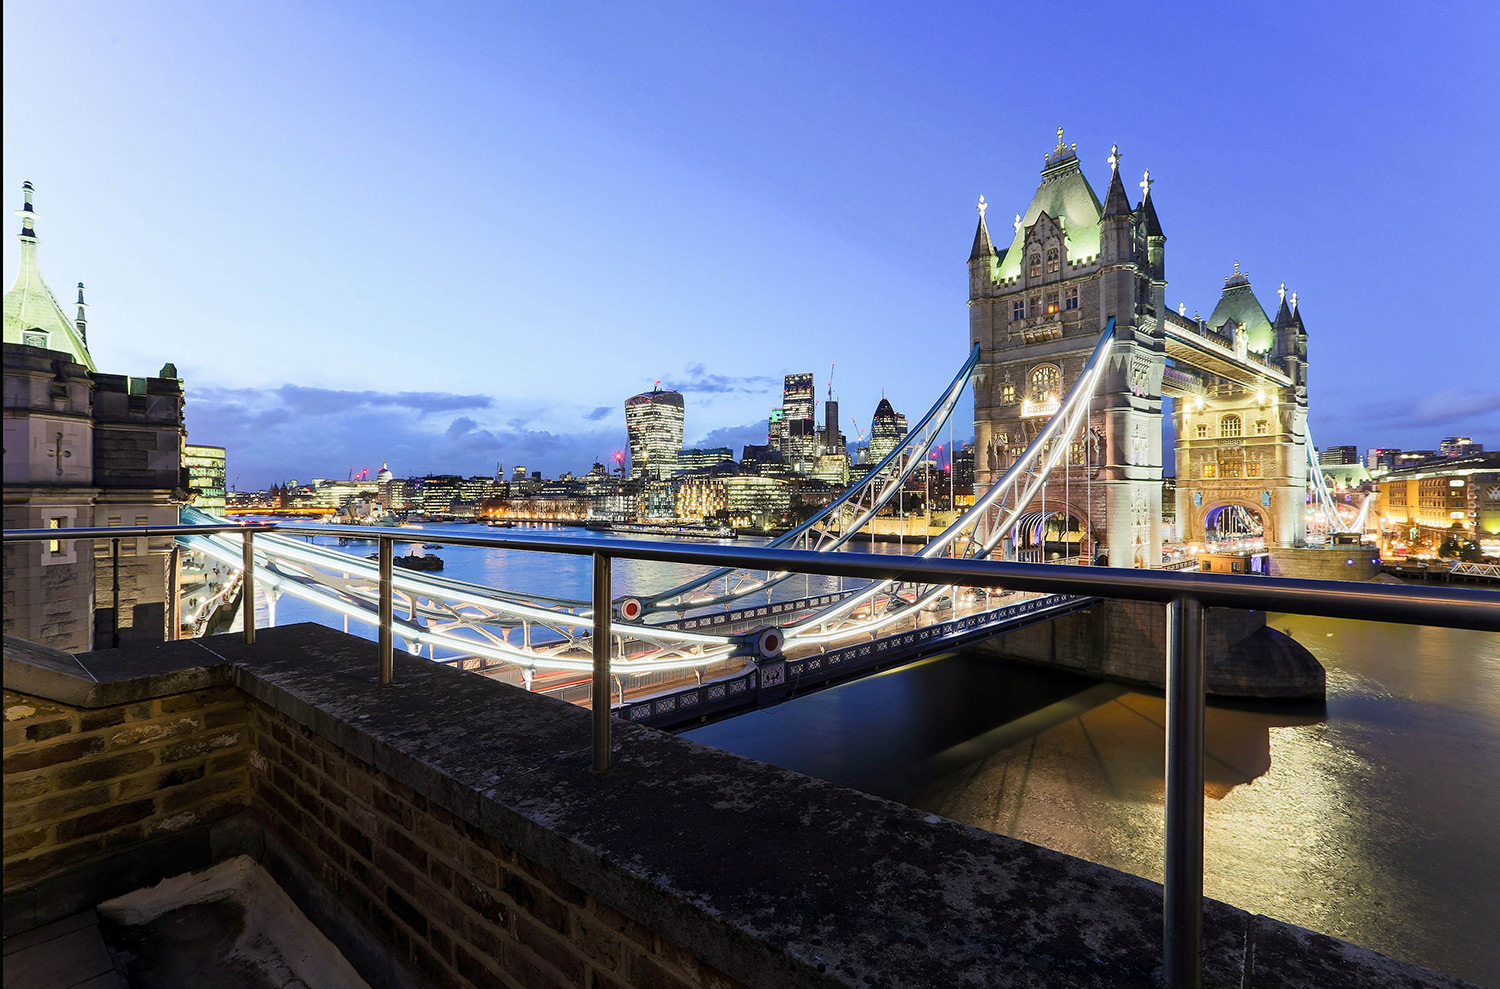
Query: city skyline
column 458, row 295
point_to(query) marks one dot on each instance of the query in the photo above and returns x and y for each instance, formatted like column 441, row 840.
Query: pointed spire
column 1148, row 207
column 983, row 248
column 82, row 321
column 1116, row 203
column 1297, row 315
column 27, row 214
column 1283, row 314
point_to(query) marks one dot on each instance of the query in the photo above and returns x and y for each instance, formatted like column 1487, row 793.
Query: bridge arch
column 1057, row 531
column 1228, row 517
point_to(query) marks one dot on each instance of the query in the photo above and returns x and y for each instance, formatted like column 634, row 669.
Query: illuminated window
column 1051, row 303
column 1034, row 266
column 1262, row 427
column 1053, row 261
column 1008, row 394
column 1202, row 432
column 54, row 545
column 1072, row 298
column 1018, row 310
column 1252, row 468
column 1045, row 381
column 1229, row 426
column 1210, row 470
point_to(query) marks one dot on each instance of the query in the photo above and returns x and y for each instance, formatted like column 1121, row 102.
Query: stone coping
column 774, row 878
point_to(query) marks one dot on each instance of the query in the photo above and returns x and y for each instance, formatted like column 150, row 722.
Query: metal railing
column 1184, row 594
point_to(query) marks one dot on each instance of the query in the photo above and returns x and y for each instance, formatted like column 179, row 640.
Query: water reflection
column 1373, row 820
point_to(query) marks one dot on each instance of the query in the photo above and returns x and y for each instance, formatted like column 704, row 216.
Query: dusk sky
column 446, row 235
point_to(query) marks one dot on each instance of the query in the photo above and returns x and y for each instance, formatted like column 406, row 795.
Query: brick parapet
column 459, row 820
column 457, row 904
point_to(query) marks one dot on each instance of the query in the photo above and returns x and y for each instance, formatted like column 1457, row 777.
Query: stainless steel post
column 247, row 586
column 603, row 751
column 387, row 612
column 174, row 606
column 1182, row 915
column 114, row 597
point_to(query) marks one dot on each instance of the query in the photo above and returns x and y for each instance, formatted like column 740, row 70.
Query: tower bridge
column 1237, row 379
column 1072, row 354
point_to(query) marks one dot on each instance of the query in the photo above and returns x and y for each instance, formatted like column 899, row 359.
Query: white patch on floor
column 277, row 938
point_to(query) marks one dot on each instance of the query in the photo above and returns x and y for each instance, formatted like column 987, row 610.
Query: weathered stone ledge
column 772, row 878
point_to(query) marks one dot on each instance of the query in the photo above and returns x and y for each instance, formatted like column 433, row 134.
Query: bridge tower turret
column 1130, row 394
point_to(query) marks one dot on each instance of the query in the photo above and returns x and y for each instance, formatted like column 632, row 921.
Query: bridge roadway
column 684, row 701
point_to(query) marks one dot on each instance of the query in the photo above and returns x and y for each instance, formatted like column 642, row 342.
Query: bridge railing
column 1184, row 594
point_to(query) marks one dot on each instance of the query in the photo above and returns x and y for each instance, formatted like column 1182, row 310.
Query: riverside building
column 82, row 448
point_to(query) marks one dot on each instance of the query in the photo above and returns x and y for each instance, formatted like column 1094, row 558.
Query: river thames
column 1374, row 818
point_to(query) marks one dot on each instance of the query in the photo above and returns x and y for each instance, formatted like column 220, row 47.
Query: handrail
column 1455, row 607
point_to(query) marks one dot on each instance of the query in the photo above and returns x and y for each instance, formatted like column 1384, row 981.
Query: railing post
column 247, row 585
column 387, row 612
column 114, row 597
column 1182, row 915
column 174, row 592
column 603, row 750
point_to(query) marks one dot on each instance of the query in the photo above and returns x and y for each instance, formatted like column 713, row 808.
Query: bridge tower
column 1036, row 309
column 1242, row 428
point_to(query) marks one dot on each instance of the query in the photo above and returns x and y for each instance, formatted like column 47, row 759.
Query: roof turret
column 31, row 313
column 983, row 248
column 1297, row 315
column 1065, row 195
column 1238, row 306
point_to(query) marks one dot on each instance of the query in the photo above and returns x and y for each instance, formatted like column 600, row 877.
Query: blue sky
column 451, row 235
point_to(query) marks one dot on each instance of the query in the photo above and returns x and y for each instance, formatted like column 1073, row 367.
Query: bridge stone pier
column 1237, row 379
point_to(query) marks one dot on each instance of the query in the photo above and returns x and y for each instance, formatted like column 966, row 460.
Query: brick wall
column 81, row 783
column 457, row 905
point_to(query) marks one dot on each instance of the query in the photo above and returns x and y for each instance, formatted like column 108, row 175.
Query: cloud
column 699, row 381
column 735, row 437
column 318, row 401
column 1444, row 408
column 291, row 431
column 598, row 413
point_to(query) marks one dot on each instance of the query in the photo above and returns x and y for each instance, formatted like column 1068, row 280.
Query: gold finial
column 982, row 206
column 1236, row 267
column 1060, row 145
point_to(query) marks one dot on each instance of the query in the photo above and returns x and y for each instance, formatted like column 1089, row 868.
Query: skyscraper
column 653, row 422
column 799, row 444
column 887, row 430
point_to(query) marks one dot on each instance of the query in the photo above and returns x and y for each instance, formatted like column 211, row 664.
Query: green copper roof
column 32, row 314
column 1238, row 305
column 1066, row 195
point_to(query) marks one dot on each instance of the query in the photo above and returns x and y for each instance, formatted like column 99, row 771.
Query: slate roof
column 30, row 306
column 1064, row 194
column 1238, row 304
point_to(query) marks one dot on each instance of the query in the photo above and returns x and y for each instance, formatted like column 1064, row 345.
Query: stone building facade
column 82, row 448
